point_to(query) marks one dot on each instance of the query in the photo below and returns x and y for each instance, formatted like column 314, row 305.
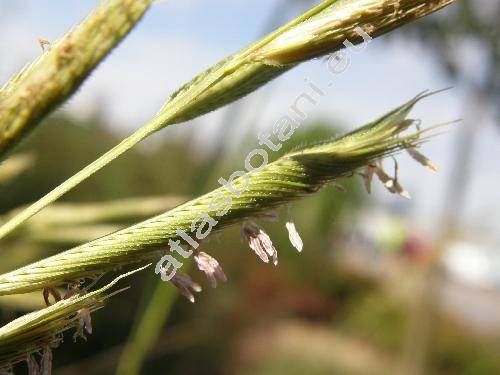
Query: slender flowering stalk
column 289, row 178
column 40, row 87
column 326, row 28
column 42, row 330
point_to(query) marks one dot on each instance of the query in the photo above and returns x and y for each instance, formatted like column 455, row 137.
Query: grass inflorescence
column 48, row 81
column 41, row 331
column 321, row 30
column 289, row 178
column 31, row 94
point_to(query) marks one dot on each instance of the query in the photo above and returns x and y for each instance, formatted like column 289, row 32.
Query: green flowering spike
column 291, row 177
column 44, row 84
column 322, row 30
column 319, row 31
column 42, row 330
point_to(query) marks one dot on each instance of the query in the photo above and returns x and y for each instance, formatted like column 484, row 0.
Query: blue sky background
column 178, row 39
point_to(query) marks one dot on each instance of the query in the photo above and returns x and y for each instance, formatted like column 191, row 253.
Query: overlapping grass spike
column 35, row 91
column 33, row 332
column 321, row 30
column 290, row 177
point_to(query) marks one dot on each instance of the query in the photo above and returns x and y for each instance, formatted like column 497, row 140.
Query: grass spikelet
column 42, row 329
column 289, row 178
column 319, row 31
column 41, row 86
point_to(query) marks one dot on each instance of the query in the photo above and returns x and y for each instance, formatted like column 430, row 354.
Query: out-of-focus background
column 384, row 285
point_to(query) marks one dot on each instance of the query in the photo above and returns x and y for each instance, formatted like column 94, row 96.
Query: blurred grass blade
column 31, row 332
column 321, row 30
column 14, row 166
column 74, row 223
column 147, row 329
column 67, row 236
column 44, row 84
column 289, row 178
column 116, row 211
